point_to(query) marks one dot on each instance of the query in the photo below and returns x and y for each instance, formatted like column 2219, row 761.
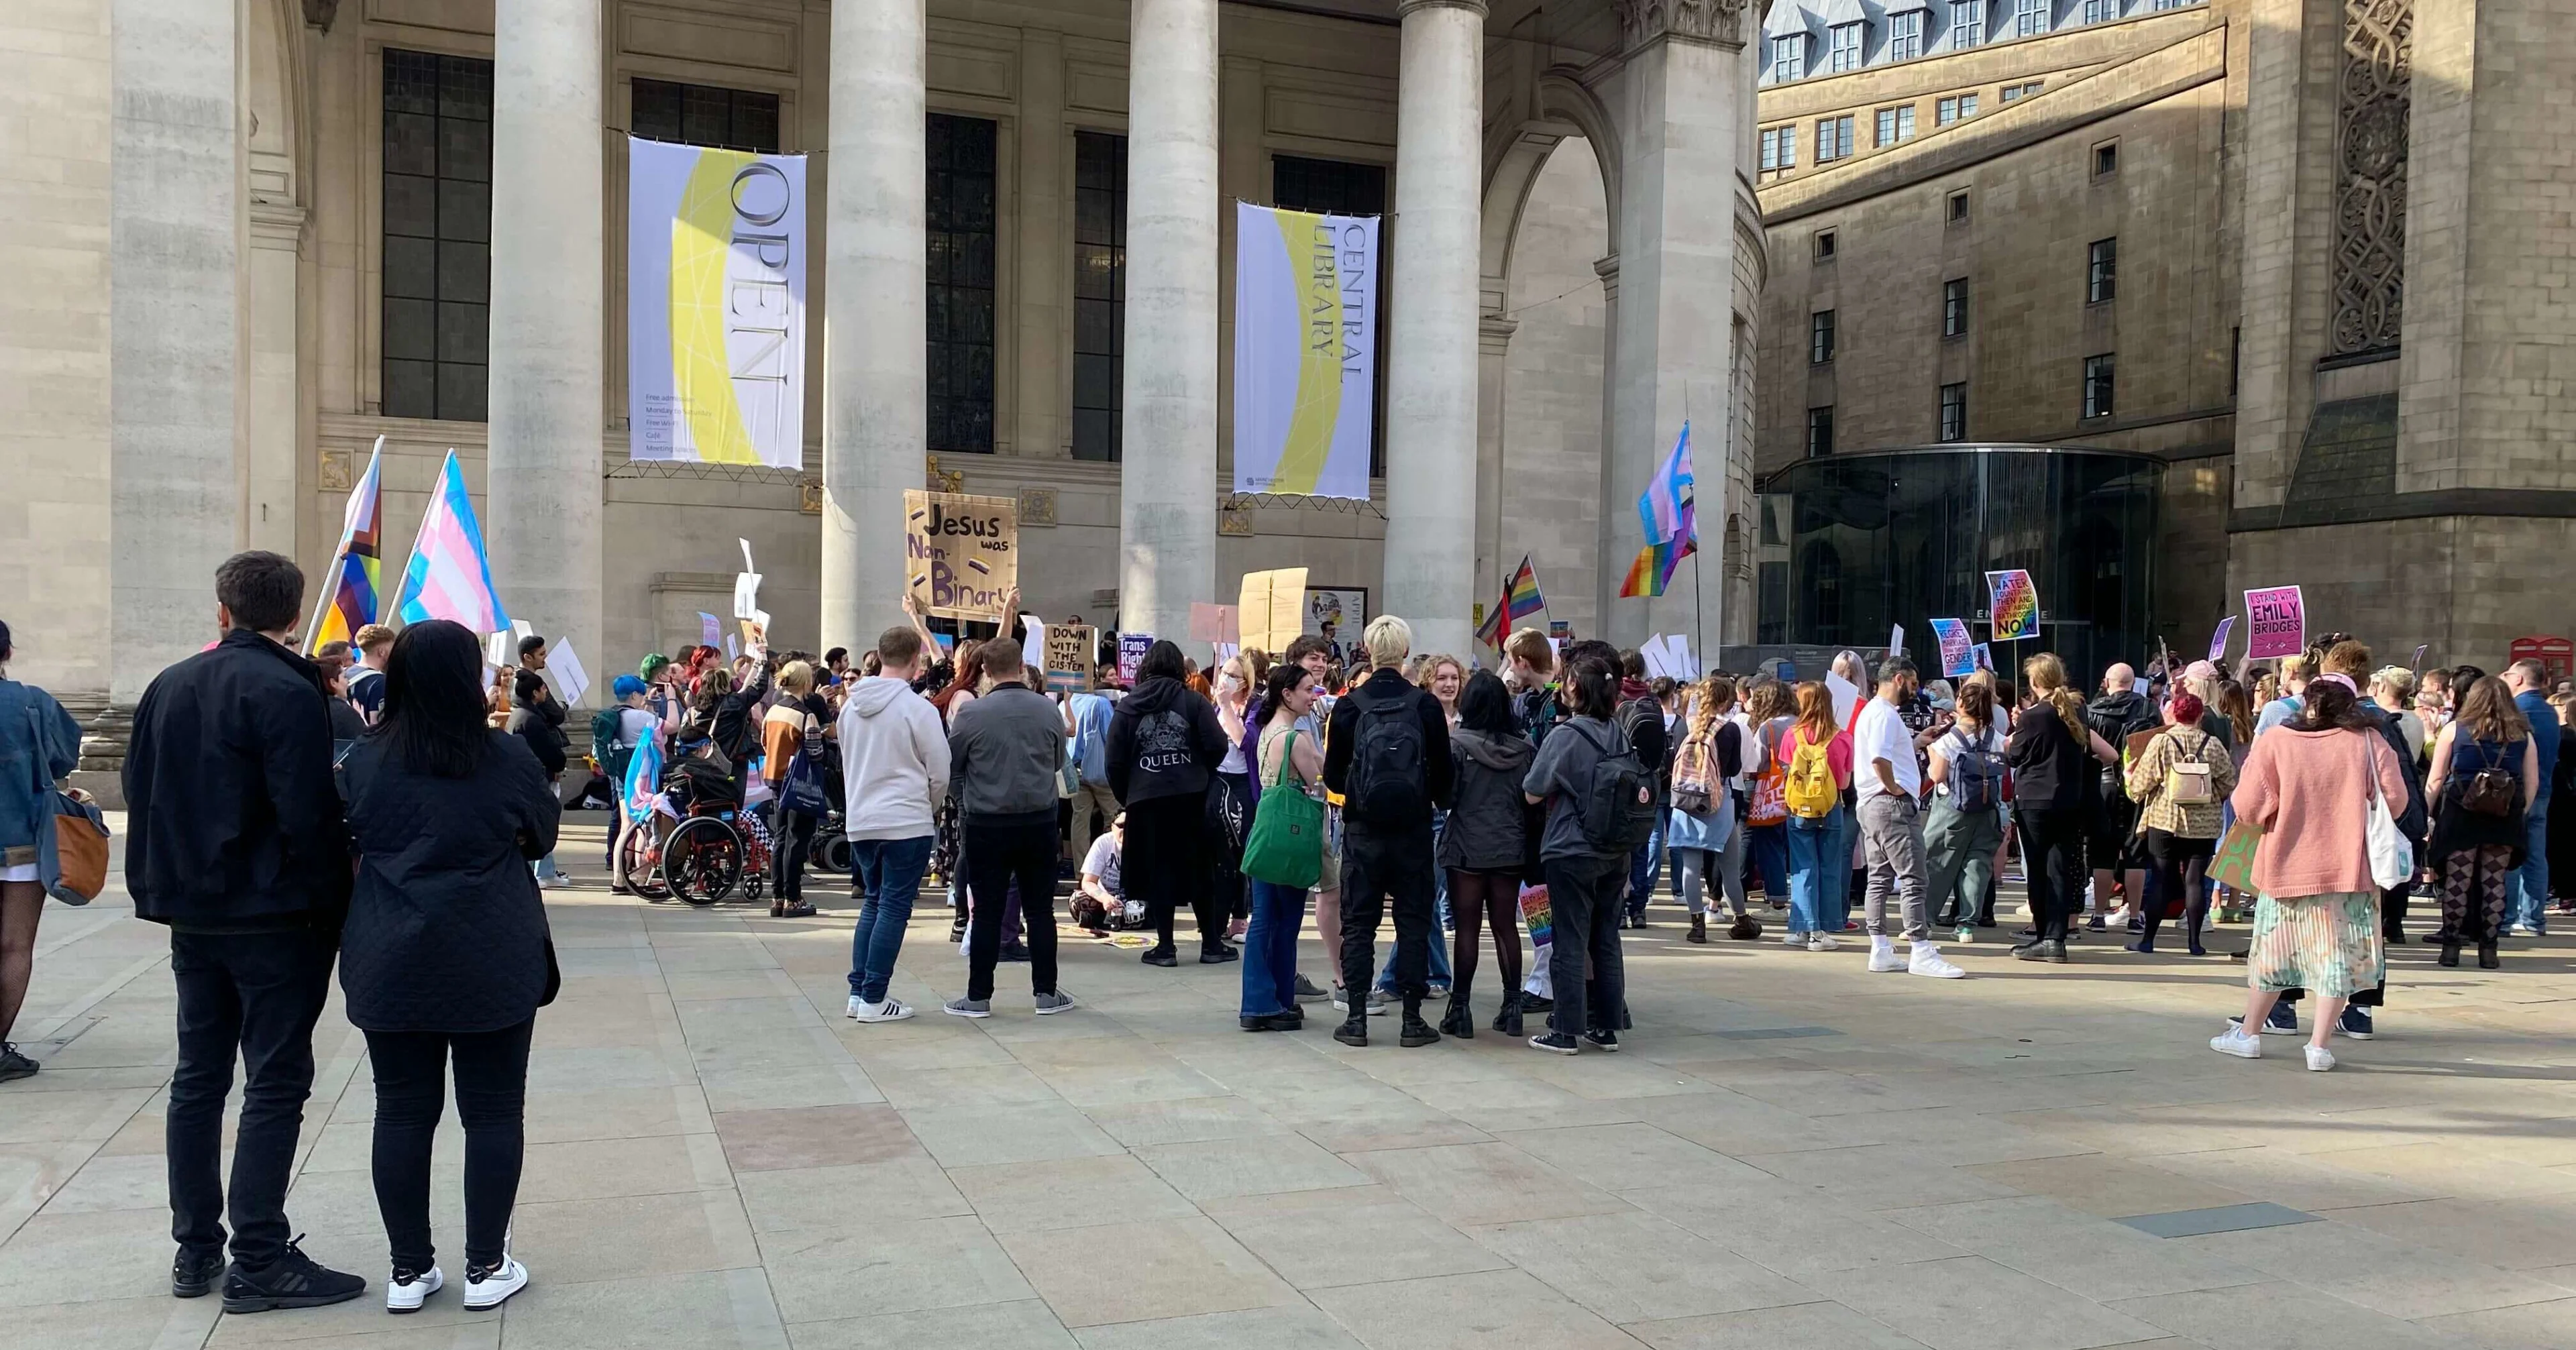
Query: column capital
column 1607, row 268
column 1719, row 22
column 1494, row 333
column 1404, row 8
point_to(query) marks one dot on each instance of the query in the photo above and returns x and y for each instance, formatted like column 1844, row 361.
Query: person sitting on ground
column 1100, row 903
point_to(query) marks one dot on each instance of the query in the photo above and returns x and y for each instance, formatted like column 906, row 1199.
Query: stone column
column 1432, row 334
column 177, row 397
column 548, row 381
column 876, row 362
column 1167, row 481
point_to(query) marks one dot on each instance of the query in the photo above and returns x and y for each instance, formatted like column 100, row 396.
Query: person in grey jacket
column 1005, row 749
column 1486, row 847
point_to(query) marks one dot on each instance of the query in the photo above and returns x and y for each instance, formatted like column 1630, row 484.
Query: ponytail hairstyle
column 2331, row 706
column 2046, row 676
column 1592, row 686
column 1977, row 705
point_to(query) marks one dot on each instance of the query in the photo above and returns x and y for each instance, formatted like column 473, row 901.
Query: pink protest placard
column 2276, row 622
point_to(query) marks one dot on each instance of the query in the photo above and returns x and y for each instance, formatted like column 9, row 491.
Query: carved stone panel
column 1718, row 21
column 2370, row 195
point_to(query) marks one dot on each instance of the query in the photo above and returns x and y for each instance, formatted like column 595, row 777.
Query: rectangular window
column 1895, row 124
column 2101, row 11
column 2173, row 4
column 1099, row 292
column 703, row 114
column 2097, row 385
column 1954, row 412
column 2030, row 17
column 2106, row 159
column 1954, row 307
column 1344, row 188
column 1779, row 149
column 1959, row 109
column 1959, row 207
column 437, row 235
column 1820, row 337
column 960, row 233
column 1967, row 23
column 2102, row 271
column 2016, row 92
column 1825, row 245
column 1905, row 35
column 1843, row 52
column 1820, row 432
column 1833, row 138
column 1788, row 58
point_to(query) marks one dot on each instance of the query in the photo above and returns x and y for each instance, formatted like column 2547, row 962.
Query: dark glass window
column 1341, row 188
column 1820, row 432
column 703, row 114
column 960, row 230
column 1099, row 291
column 2106, row 159
column 438, row 234
column 2102, row 271
column 1954, row 412
column 1959, row 207
column 1954, row 307
column 2097, row 385
column 1820, row 337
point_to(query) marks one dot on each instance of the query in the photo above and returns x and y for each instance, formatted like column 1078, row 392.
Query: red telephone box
column 2557, row 655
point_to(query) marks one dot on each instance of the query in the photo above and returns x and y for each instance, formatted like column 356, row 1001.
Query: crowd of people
column 393, row 809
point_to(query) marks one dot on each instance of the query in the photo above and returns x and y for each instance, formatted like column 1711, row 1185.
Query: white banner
column 1305, row 351
column 715, row 305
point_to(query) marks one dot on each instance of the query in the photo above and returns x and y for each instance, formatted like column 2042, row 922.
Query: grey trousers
column 1891, row 836
column 1962, row 847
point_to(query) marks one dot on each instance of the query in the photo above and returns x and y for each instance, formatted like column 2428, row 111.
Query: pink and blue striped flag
column 450, row 576
column 1672, row 533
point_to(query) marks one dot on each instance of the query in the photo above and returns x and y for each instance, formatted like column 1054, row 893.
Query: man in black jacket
column 235, row 841
column 1391, row 775
column 2116, row 714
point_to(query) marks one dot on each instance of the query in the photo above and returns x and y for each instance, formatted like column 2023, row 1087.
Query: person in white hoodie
column 894, row 767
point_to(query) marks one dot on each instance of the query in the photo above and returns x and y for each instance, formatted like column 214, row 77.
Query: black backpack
column 1389, row 784
column 1618, row 803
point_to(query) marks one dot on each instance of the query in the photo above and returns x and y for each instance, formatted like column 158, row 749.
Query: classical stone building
column 2304, row 252
column 250, row 236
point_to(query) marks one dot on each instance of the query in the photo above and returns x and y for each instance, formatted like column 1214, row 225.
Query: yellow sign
column 1271, row 611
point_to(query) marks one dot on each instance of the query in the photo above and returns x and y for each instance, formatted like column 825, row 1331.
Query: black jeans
column 1166, row 865
column 491, row 1101
column 2052, row 858
column 1383, row 868
column 794, row 832
column 2180, row 865
column 256, row 995
column 1583, row 905
column 997, row 855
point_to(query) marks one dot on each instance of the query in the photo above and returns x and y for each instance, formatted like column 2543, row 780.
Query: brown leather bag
column 80, row 850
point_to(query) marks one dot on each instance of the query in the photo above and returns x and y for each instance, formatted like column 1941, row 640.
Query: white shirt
column 1878, row 733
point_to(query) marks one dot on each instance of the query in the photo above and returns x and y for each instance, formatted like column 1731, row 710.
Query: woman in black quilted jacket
column 445, row 955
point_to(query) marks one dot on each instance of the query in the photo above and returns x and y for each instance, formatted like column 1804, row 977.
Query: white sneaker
column 495, row 1285
column 406, row 1295
column 1797, row 941
column 1883, row 957
column 2235, row 1042
column 891, row 1010
column 1821, row 941
column 2320, row 1059
column 554, row 883
column 1927, row 961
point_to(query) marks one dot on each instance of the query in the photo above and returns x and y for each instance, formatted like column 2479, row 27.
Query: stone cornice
column 1642, row 22
column 1406, row 7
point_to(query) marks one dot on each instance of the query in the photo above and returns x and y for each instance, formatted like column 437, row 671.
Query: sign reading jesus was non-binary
column 1305, row 351
column 961, row 554
column 715, row 305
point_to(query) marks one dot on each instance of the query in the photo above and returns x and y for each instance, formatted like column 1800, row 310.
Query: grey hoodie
column 1007, row 748
column 1488, row 822
column 894, row 760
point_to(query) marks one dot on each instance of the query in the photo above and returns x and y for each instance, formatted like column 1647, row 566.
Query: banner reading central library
column 1305, row 351
column 715, row 305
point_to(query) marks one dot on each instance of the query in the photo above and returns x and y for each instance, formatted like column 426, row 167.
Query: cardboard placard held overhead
column 1131, row 654
column 563, row 671
column 961, row 554
column 1271, row 611
column 1214, row 623
column 1072, row 653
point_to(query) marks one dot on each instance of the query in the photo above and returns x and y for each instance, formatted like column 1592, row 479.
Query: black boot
column 1699, row 928
column 2450, row 953
column 1507, row 1019
column 1461, row 1021
column 1354, row 1029
column 2487, row 954
column 1416, row 1032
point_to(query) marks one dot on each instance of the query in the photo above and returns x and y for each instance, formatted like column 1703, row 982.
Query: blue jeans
column 1270, row 949
column 886, row 874
column 1771, row 859
column 1819, row 880
column 1642, row 866
column 2531, row 880
column 1838, row 872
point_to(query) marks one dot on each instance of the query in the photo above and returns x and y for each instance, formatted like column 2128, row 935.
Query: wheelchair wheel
column 832, row 855
column 639, row 861
column 702, row 860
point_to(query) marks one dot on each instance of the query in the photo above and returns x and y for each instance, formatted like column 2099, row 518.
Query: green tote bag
column 1286, row 847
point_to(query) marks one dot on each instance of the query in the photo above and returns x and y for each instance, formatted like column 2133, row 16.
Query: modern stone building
column 2304, row 251
column 250, row 236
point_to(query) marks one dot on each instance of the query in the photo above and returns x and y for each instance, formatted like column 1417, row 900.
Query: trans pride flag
column 356, row 571
column 450, row 576
column 1672, row 534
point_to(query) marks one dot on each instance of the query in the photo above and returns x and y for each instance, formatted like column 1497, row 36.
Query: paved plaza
column 1788, row 1153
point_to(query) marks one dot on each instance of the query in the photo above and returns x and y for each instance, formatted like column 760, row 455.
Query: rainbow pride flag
column 354, row 578
column 450, row 576
column 1666, row 511
column 1520, row 599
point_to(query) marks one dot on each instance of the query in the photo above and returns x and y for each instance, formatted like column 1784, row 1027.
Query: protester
column 1284, row 759
column 1586, row 875
column 1647, row 723
column 1529, row 671
column 537, row 719
column 1815, row 770
column 1004, row 750
column 446, row 954
column 1446, row 677
column 1100, row 896
column 1966, row 824
column 1891, row 817
column 1702, row 827
column 367, row 678
column 2111, row 845
column 2308, row 785
column 790, row 726
column 1386, row 751
column 1086, row 716
column 2178, row 783
column 1486, row 848
column 2485, row 775
column 1229, row 798
column 1163, row 748
column 1732, row 859
column 234, row 841
column 334, row 660
column 1770, row 712
column 2051, row 778
column 1316, row 657
column 894, row 769
column 39, row 747
column 2529, row 681
column 2392, row 688
column 630, row 721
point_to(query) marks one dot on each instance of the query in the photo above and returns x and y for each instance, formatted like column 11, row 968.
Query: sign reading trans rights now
column 1305, row 351
column 715, row 305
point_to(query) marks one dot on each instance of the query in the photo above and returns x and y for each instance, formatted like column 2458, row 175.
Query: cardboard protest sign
column 961, row 554
column 2276, row 622
column 1214, row 623
column 2218, row 640
column 1896, row 639
column 1072, row 654
column 1131, row 652
column 710, row 629
column 563, row 671
column 1958, row 654
column 1271, row 610
column 1985, row 657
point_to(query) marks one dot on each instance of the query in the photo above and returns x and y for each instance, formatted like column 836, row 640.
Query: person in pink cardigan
column 2308, row 786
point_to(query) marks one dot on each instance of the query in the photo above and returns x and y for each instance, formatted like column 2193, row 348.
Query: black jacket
column 541, row 726
column 2048, row 762
column 1164, row 741
column 446, row 930
column 2115, row 717
column 233, row 820
column 1489, row 827
column 1342, row 734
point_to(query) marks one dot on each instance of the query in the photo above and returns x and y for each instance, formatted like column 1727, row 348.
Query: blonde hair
column 1387, row 640
column 796, row 678
column 1431, row 669
column 1531, row 647
column 2046, row 676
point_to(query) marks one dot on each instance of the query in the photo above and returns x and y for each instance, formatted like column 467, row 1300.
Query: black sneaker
column 1354, row 1031
column 13, row 1065
column 1554, row 1042
column 1219, row 954
column 1159, row 956
column 193, row 1273
column 1602, row 1040
column 294, row 1280
column 1015, row 951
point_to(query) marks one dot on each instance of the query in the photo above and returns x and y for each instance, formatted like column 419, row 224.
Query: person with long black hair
column 1485, row 848
column 1164, row 746
column 1584, row 885
column 446, row 957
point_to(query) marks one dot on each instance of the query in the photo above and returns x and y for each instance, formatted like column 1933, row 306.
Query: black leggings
column 2180, row 864
column 1473, row 898
column 491, row 1099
